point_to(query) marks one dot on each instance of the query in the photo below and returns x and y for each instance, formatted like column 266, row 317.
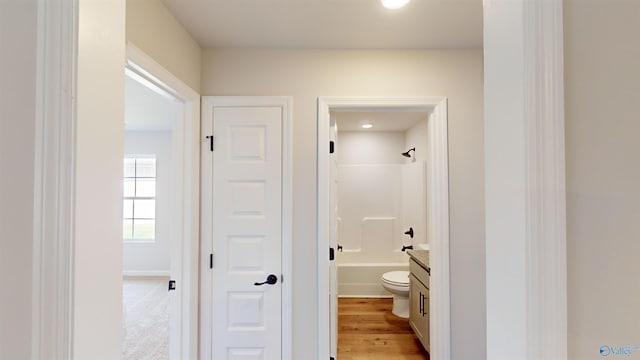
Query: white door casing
column 246, row 228
column 333, row 238
column 525, row 206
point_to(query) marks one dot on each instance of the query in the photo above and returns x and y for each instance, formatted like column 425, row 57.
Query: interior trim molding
column 546, row 208
column 146, row 273
column 186, row 149
column 438, row 231
column 437, row 218
column 525, row 180
column 54, row 169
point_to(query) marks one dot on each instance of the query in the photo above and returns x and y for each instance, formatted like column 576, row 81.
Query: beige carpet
column 145, row 318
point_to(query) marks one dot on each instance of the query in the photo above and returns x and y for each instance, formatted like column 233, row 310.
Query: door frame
column 437, row 209
column 53, row 258
column 184, row 261
column 206, row 229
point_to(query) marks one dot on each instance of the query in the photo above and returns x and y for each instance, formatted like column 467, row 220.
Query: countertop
column 421, row 257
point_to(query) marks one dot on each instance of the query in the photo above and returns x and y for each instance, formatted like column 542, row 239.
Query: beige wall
column 17, row 125
column 602, row 77
column 153, row 29
column 307, row 74
column 98, row 207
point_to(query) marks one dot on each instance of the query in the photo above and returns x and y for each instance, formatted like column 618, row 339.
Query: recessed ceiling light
column 366, row 126
column 394, row 4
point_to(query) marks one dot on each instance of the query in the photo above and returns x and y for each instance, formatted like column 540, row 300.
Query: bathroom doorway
column 426, row 116
column 380, row 211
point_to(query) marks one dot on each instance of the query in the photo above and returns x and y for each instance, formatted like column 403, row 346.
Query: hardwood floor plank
column 367, row 330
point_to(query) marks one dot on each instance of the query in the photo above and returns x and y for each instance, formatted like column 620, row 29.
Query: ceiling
column 338, row 24
column 146, row 109
column 382, row 121
column 335, row 24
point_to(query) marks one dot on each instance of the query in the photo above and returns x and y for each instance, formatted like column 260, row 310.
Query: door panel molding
column 209, row 103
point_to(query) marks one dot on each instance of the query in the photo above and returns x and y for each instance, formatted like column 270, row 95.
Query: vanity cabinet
column 419, row 302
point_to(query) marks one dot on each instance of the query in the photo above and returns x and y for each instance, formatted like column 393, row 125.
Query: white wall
column 416, row 137
column 602, row 94
column 307, row 74
column 98, row 209
column 373, row 147
column 375, row 182
column 17, row 125
column 414, row 202
column 153, row 258
column 153, row 29
column 370, row 209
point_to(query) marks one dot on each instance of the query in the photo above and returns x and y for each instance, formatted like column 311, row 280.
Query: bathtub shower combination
column 377, row 205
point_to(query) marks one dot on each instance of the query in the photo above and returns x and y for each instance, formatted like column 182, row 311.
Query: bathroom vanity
column 419, row 294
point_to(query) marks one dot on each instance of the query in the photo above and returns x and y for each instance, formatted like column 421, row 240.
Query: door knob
column 271, row 279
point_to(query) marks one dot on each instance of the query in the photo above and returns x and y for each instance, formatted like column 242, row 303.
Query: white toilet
column 397, row 283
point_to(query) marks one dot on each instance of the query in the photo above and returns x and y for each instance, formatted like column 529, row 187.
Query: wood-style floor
column 367, row 330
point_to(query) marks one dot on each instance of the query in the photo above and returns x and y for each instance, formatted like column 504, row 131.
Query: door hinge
column 210, row 261
column 210, row 137
column 331, row 147
column 332, row 254
column 332, row 358
column 172, row 285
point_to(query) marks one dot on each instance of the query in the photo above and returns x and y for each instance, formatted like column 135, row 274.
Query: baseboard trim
column 361, row 290
column 147, row 273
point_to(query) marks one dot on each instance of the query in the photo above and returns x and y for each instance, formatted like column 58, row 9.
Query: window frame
column 133, row 218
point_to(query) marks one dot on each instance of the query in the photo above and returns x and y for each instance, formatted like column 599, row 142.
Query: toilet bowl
column 397, row 283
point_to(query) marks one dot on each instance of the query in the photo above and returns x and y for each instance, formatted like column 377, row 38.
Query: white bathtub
column 356, row 279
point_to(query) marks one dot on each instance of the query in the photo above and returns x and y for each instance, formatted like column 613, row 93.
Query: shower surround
column 377, row 204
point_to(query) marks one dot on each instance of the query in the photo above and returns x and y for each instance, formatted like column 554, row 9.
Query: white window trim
column 133, row 240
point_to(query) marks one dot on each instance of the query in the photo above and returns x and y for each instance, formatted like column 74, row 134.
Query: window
column 139, row 203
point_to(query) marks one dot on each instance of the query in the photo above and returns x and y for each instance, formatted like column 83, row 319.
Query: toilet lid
column 396, row 277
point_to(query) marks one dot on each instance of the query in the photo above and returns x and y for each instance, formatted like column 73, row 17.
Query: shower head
column 406, row 154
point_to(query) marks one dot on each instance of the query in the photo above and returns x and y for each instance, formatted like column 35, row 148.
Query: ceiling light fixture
column 394, row 4
column 366, row 126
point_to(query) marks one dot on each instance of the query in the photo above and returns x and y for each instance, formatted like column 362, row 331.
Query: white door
column 333, row 239
column 247, row 233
